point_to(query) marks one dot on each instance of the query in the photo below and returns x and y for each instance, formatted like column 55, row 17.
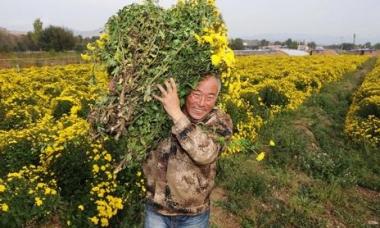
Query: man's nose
column 202, row 101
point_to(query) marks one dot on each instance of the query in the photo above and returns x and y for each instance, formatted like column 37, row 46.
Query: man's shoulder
column 219, row 117
column 220, row 114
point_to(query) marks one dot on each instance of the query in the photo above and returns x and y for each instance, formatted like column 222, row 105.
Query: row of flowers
column 363, row 118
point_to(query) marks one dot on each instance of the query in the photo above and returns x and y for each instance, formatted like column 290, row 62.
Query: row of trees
column 51, row 38
column 351, row 46
column 238, row 44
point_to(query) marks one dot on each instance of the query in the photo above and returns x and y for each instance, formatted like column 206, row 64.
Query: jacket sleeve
column 202, row 143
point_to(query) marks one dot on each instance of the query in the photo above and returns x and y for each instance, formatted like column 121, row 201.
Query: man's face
column 202, row 99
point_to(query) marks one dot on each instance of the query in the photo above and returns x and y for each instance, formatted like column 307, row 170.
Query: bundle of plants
column 142, row 46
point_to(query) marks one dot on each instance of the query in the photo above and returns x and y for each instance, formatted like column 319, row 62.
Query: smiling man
column 180, row 172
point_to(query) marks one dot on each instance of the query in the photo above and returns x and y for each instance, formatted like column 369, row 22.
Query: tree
column 312, row 45
column 57, row 39
column 291, row 44
column 237, row 44
column 348, row 46
column 264, row 42
column 37, row 32
column 7, row 41
column 377, row 46
column 368, row 45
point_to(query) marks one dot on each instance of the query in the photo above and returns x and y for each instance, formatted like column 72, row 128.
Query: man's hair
column 216, row 76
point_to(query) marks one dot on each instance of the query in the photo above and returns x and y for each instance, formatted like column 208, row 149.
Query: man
column 180, row 172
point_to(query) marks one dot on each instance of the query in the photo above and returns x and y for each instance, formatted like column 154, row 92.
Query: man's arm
column 203, row 145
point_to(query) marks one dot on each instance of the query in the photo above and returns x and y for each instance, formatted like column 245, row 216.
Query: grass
column 315, row 176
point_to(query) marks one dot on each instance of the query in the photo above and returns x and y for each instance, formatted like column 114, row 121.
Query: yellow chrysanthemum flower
column 104, row 36
column 94, row 220
column 104, row 222
column 81, row 207
column 216, row 60
column 2, row 188
column 38, row 201
column 85, row 57
column 108, row 157
column 260, row 156
column 90, row 47
column 4, row 207
column 95, row 168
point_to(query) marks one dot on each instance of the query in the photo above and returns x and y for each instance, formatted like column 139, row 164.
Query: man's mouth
column 198, row 110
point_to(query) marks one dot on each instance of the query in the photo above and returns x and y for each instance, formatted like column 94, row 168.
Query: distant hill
column 89, row 33
column 13, row 31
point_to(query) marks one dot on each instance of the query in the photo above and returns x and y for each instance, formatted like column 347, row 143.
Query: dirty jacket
column 180, row 172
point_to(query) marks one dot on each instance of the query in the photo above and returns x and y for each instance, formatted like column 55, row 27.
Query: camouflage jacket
column 180, row 172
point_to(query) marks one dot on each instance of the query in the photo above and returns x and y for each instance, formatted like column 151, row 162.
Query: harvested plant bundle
column 143, row 45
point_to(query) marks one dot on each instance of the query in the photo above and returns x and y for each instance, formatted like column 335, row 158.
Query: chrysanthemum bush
column 363, row 118
column 27, row 195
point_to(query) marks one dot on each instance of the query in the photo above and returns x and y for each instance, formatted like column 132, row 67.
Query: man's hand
column 170, row 100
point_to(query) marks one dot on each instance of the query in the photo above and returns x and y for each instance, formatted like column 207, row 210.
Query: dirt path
column 219, row 217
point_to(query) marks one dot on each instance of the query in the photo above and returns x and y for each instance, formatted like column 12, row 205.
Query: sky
column 324, row 21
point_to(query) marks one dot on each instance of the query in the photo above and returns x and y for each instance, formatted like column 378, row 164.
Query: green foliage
column 271, row 96
column 257, row 109
column 347, row 46
column 248, row 184
column 369, row 106
column 312, row 45
column 62, row 107
column 37, row 32
column 238, row 114
column 73, row 161
column 85, row 108
column 57, row 39
column 291, row 44
column 237, row 44
column 241, row 180
column 16, row 155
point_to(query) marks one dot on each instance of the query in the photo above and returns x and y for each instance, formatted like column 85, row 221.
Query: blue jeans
column 156, row 220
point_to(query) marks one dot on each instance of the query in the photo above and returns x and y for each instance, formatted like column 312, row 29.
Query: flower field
column 50, row 166
column 264, row 86
column 363, row 118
